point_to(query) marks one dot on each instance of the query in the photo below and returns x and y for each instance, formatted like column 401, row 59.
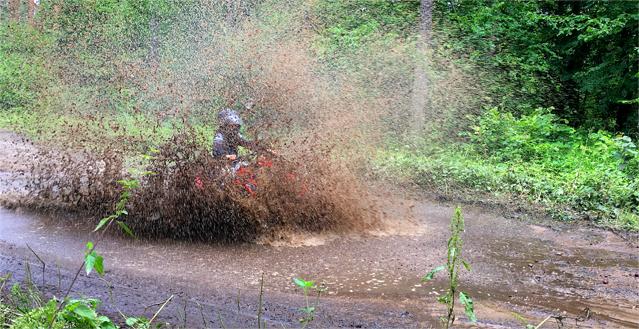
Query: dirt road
column 532, row 268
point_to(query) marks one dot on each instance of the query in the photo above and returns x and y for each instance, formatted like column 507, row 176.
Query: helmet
column 228, row 117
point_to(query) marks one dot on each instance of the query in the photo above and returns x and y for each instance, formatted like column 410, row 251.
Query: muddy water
column 534, row 269
column 518, row 266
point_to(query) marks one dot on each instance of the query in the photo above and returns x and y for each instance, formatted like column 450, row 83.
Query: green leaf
column 106, row 323
column 85, row 312
column 93, row 261
column 99, row 265
column 303, row 284
column 432, row 273
column 89, row 262
column 466, row 265
column 469, row 308
column 131, row 321
column 102, row 222
column 126, row 228
column 308, row 310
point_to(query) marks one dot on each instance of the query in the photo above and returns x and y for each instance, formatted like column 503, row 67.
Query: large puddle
column 517, row 266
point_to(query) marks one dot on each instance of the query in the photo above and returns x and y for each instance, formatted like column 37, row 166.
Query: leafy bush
column 501, row 135
column 38, row 318
column 350, row 25
column 535, row 158
column 22, row 69
column 77, row 314
column 574, row 55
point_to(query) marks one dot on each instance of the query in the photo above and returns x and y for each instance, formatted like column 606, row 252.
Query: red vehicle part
column 246, row 178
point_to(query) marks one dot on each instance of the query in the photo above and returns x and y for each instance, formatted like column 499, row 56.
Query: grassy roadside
column 534, row 159
column 138, row 129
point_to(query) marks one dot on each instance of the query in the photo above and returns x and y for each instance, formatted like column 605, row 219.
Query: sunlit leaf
column 93, row 261
column 432, row 273
column 105, row 323
column 102, row 222
column 89, row 263
column 303, row 283
column 469, row 308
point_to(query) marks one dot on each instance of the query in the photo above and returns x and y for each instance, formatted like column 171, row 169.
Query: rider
column 228, row 136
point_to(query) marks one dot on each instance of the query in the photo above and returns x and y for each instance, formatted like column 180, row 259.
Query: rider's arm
column 251, row 145
column 220, row 149
column 255, row 146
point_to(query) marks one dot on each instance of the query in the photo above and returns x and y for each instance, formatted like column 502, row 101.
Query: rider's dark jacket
column 227, row 143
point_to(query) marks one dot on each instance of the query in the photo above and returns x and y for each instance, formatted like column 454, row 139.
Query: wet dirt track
column 533, row 268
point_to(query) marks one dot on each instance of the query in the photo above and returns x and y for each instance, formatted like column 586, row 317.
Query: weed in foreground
column 310, row 308
column 453, row 266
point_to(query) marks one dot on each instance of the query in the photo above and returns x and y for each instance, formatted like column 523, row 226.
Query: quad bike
column 243, row 173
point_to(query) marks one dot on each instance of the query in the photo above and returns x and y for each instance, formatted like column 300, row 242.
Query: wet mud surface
column 533, row 268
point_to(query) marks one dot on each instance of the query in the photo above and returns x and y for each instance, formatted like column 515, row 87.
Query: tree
column 14, row 9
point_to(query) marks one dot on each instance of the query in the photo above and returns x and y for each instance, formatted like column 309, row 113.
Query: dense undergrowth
column 25, row 307
column 537, row 159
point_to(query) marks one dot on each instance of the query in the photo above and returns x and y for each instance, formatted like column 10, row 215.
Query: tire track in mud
column 535, row 269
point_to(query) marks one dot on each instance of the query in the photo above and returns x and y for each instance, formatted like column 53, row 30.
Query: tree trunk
column 14, row 10
column 421, row 103
column 31, row 10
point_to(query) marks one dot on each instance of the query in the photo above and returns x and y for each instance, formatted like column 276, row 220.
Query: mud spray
column 256, row 57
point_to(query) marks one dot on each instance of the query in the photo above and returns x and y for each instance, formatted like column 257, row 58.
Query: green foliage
column 74, row 314
column 531, row 137
column 138, row 323
column 453, row 266
column 5, row 315
column 77, row 314
column 93, row 261
column 503, row 38
column 593, row 40
column 351, row 30
column 22, row 68
column 580, row 57
column 538, row 159
column 128, row 185
column 310, row 308
column 38, row 318
column 20, row 298
column 117, row 24
column 82, row 314
column 348, row 25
